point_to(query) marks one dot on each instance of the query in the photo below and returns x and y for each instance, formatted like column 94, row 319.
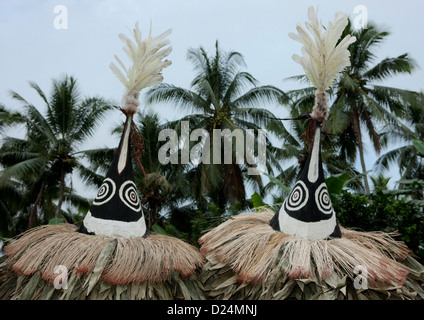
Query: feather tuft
column 323, row 58
column 148, row 60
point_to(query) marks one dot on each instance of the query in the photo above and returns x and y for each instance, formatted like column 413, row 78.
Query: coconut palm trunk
column 61, row 192
column 357, row 129
column 32, row 221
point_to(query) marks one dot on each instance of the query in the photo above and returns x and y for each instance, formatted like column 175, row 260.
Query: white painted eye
column 322, row 199
column 105, row 193
column 298, row 197
column 129, row 196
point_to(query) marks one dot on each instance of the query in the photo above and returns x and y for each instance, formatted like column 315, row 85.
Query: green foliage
column 56, row 220
column 257, row 201
column 222, row 96
column 419, row 145
column 278, row 183
column 36, row 166
column 159, row 230
column 384, row 211
column 190, row 222
column 336, row 183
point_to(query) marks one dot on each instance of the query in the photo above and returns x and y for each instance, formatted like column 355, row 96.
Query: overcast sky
column 33, row 49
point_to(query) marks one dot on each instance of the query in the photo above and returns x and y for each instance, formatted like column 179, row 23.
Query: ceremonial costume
column 301, row 252
column 111, row 255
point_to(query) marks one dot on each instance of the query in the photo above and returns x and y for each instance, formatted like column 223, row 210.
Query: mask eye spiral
column 298, row 197
column 106, row 192
column 129, row 196
column 322, row 199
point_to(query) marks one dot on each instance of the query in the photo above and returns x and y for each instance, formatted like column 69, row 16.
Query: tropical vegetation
column 186, row 199
column 35, row 168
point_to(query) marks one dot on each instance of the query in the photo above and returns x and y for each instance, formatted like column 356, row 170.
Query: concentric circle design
column 298, row 197
column 129, row 196
column 322, row 199
column 105, row 193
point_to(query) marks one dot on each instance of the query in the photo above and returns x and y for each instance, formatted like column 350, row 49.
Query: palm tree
column 408, row 159
column 222, row 97
column 49, row 152
column 360, row 102
column 11, row 192
column 380, row 182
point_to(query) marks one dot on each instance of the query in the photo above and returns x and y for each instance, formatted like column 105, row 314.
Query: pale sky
column 32, row 49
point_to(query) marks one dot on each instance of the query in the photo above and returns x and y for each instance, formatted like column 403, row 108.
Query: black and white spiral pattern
column 129, row 196
column 322, row 199
column 105, row 193
column 298, row 197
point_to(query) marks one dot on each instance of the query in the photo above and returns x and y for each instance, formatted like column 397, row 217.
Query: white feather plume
column 322, row 59
column 147, row 58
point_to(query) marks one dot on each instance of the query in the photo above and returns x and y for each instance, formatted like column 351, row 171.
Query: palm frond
column 302, row 78
column 361, row 51
column 394, row 156
column 259, row 118
column 232, row 62
column 89, row 176
column 390, row 67
column 381, row 114
column 22, row 169
column 257, row 96
column 182, row 98
column 9, row 118
column 40, row 92
column 239, row 82
column 38, row 126
column 199, row 59
column 398, row 101
column 88, row 115
column 65, row 96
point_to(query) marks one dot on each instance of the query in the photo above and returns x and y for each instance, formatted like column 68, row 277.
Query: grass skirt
column 153, row 267
column 247, row 259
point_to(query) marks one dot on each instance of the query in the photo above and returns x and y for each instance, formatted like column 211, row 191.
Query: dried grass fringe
column 257, row 253
column 152, row 259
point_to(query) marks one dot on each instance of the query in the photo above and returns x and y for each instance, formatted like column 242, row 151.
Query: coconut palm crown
column 50, row 150
column 222, row 96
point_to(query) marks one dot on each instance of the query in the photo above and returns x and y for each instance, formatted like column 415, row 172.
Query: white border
column 115, row 228
column 310, row 230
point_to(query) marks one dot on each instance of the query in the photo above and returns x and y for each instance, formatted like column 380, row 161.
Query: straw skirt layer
column 153, row 267
column 247, row 259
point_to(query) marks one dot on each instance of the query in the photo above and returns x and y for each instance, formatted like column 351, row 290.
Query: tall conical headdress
column 110, row 257
column 116, row 211
column 307, row 211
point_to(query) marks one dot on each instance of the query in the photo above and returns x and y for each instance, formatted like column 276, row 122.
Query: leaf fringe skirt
column 247, row 259
column 153, row 267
